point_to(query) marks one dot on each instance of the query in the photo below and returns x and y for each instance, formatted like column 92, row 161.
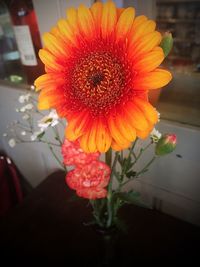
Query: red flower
column 90, row 180
column 74, row 155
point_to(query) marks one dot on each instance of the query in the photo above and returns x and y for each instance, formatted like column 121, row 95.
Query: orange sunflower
column 100, row 63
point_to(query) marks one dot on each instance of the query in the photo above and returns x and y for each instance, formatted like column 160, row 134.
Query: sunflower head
column 100, row 63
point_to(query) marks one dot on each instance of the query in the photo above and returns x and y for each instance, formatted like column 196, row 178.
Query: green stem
column 109, row 195
column 108, row 157
column 55, row 156
column 140, row 172
column 57, row 135
column 140, row 154
column 146, row 167
column 39, row 141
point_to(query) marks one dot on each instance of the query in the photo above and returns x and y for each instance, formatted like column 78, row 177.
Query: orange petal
column 49, row 60
column 84, row 141
column 56, row 32
column 43, row 104
column 72, row 18
column 48, row 79
column 144, row 134
column 149, row 61
column 96, row 10
column 147, row 109
column 103, row 137
column 109, row 18
column 145, row 27
column 115, row 131
column 119, row 147
column 76, row 126
column 125, row 22
column 86, row 21
column 125, row 128
column 54, row 45
column 144, row 44
column 135, row 117
column 48, row 99
column 119, row 12
column 67, row 31
column 92, row 147
column 152, row 80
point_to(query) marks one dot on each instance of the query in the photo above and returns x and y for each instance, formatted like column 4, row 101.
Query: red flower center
column 100, row 79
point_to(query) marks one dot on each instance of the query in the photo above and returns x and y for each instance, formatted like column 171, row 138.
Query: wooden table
column 47, row 228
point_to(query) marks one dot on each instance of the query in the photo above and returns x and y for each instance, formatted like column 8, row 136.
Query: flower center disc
column 98, row 81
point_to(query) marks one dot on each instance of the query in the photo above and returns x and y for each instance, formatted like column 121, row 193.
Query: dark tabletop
column 48, row 228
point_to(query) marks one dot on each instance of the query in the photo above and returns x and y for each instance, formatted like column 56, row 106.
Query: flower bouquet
column 100, row 64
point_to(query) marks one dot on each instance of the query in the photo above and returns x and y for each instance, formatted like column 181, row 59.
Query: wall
column 33, row 160
column 172, row 185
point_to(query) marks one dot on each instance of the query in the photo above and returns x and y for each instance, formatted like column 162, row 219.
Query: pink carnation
column 74, row 155
column 90, row 180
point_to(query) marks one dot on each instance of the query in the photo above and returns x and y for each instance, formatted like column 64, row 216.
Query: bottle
column 27, row 36
column 10, row 65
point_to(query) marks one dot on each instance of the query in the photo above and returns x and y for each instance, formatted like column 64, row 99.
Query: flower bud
column 167, row 43
column 166, row 144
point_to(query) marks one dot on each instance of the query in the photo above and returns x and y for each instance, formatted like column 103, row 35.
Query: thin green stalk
column 55, row 156
column 109, row 195
column 141, row 152
column 140, row 172
column 108, row 157
column 146, row 167
column 57, row 135
column 38, row 141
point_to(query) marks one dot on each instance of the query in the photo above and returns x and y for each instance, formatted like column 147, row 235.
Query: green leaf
column 118, row 176
column 131, row 174
column 129, row 197
column 40, row 135
column 120, row 160
column 132, row 197
column 167, row 43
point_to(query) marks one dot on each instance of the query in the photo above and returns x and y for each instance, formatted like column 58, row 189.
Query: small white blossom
column 12, row 142
column 155, row 135
column 24, row 98
column 26, row 117
column 48, row 120
column 23, row 133
column 32, row 87
column 35, row 135
column 5, row 134
column 27, row 107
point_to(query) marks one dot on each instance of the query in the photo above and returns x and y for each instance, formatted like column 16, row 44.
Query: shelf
column 180, row 40
column 178, row 20
column 160, row 2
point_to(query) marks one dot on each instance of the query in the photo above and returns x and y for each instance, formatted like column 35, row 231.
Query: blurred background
column 173, row 183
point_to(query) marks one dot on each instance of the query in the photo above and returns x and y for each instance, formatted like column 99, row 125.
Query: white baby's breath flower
column 26, row 117
column 48, row 120
column 5, row 134
column 155, row 135
column 27, row 107
column 24, row 98
column 23, row 133
column 12, row 142
column 32, row 87
column 35, row 135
